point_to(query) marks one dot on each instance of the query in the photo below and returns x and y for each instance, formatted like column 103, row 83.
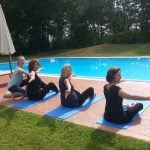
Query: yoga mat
column 64, row 113
column 25, row 103
column 146, row 104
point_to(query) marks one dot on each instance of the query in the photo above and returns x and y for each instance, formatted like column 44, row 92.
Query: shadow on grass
column 100, row 140
column 7, row 114
column 47, row 122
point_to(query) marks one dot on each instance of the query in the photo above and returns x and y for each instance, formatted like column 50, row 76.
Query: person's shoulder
column 105, row 86
column 115, row 88
column 61, row 78
column 16, row 70
column 33, row 72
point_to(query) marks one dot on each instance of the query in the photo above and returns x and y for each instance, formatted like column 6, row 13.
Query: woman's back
column 63, row 87
column 113, row 107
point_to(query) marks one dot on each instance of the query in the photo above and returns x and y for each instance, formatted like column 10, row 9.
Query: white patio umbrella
column 6, row 43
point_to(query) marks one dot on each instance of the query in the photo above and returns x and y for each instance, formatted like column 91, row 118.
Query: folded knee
column 91, row 88
column 140, row 106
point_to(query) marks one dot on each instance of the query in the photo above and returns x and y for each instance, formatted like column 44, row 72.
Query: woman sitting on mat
column 114, row 109
column 16, row 82
column 36, row 88
column 69, row 96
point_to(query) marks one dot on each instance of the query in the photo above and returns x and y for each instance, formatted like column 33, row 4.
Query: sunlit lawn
column 22, row 130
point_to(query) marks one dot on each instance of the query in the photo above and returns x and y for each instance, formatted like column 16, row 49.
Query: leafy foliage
column 38, row 25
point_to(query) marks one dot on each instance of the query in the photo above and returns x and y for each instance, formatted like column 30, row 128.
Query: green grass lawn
column 97, row 51
column 25, row 131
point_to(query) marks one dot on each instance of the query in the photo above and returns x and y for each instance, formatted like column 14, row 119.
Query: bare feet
column 7, row 95
column 131, row 105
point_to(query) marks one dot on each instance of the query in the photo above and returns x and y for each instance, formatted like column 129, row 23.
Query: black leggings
column 131, row 112
column 40, row 94
column 128, row 114
column 86, row 94
column 71, row 102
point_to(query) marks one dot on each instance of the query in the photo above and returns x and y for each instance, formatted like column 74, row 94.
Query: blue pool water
column 132, row 68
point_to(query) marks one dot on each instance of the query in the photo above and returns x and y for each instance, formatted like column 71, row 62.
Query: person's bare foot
column 16, row 95
column 12, row 95
column 7, row 94
column 131, row 105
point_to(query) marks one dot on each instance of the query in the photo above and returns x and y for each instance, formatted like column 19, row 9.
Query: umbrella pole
column 10, row 59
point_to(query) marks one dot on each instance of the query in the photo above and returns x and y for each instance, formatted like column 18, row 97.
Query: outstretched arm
column 22, row 72
column 126, row 95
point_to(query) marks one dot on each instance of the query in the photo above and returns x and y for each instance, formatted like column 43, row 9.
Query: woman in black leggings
column 69, row 96
column 114, row 109
column 36, row 88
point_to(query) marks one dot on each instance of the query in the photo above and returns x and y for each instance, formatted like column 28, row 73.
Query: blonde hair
column 65, row 71
column 20, row 57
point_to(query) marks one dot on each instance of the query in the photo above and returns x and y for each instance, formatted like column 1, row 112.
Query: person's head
column 20, row 60
column 113, row 75
column 33, row 65
column 66, row 71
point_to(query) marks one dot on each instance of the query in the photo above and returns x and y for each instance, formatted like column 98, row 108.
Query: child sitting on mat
column 36, row 88
column 114, row 110
column 69, row 96
column 16, row 82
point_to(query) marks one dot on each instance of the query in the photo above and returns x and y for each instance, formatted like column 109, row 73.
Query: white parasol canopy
column 6, row 43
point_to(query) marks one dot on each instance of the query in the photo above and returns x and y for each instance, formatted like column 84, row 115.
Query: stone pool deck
column 139, row 129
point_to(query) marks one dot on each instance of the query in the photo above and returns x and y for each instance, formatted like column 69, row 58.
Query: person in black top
column 36, row 88
column 114, row 109
column 69, row 96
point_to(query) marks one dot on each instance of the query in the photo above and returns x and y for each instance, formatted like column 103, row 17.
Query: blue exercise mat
column 25, row 103
column 64, row 113
column 146, row 104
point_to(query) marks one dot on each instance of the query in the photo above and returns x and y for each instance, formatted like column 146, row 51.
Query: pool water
column 132, row 68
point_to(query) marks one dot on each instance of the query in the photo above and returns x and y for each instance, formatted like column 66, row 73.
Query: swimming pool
column 137, row 68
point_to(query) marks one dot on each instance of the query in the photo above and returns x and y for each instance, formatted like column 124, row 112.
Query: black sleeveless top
column 63, row 89
column 113, row 108
column 34, row 86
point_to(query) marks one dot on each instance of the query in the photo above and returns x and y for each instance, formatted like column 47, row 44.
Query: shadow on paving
column 3, row 85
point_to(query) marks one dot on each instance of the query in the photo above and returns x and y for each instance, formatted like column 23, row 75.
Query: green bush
column 126, row 37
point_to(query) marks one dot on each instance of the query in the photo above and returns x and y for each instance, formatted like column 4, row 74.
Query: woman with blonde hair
column 16, row 83
column 69, row 96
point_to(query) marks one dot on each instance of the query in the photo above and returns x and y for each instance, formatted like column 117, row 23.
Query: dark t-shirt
column 113, row 108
